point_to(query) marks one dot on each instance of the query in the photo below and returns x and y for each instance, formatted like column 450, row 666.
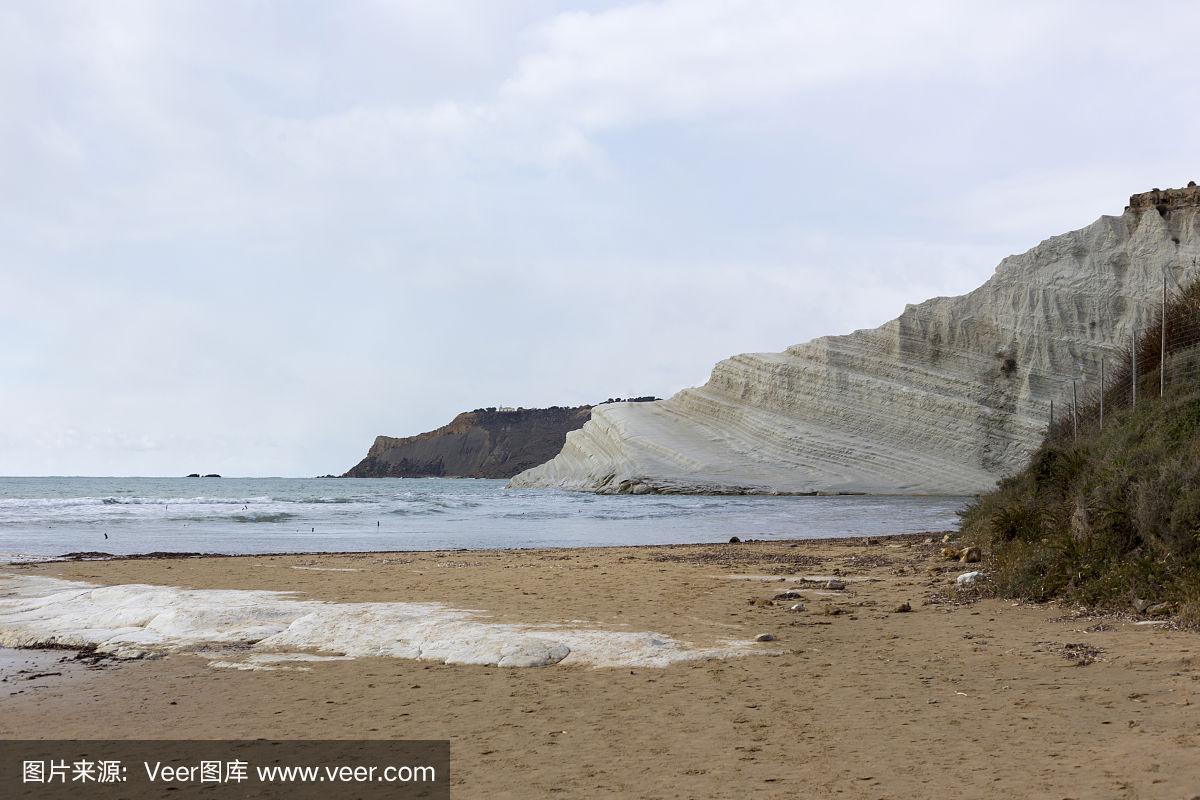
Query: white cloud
column 256, row 236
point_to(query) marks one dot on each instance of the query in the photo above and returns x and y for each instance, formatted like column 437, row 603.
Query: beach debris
column 1081, row 653
column 789, row 594
column 950, row 553
column 832, row 610
column 835, row 584
column 949, row 537
column 968, row 578
column 1159, row 610
column 734, row 540
column 969, row 555
column 796, row 607
column 928, row 540
column 765, row 637
column 903, row 608
column 760, row 602
column 1140, row 605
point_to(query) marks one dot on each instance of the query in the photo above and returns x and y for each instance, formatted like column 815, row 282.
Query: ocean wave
column 279, row 516
column 72, row 502
column 414, row 512
column 317, row 501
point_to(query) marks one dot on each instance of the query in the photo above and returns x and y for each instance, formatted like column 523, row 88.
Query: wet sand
column 960, row 698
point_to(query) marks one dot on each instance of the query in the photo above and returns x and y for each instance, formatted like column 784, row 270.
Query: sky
column 247, row 237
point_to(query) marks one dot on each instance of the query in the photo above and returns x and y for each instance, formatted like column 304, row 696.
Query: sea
column 50, row 517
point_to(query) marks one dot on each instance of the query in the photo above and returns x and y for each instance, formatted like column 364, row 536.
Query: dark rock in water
column 734, row 540
column 194, row 475
column 212, row 475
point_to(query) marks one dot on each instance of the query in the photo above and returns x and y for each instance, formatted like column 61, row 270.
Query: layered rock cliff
column 485, row 443
column 947, row 398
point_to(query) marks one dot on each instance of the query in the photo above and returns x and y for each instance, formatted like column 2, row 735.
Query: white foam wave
column 135, row 620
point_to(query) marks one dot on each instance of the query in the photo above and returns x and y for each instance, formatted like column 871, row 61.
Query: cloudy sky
column 248, row 237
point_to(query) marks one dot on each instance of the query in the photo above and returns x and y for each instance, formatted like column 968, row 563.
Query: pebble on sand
column 970, row 555
column 764, row 637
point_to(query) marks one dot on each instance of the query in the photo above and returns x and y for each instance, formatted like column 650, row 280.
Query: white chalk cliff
column 947, row 398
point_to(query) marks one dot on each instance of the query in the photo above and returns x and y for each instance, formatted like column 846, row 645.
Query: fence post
column 1074, row 411
column 1133, row 365
column 1162, row 354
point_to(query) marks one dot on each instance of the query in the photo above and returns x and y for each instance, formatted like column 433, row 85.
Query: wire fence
column 1160, row 358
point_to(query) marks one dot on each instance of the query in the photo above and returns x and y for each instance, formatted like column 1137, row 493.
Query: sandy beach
column 961, row 697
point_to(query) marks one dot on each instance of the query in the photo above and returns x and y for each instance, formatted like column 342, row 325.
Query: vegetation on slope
column 1110, row 516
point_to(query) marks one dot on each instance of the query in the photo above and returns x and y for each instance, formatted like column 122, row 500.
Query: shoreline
column 167, row 555
column 855, row 697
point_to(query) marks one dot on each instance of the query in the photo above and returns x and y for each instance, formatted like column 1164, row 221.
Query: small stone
column 835, row 584
column 734, row 540
column 764, row 637
column 970, row 555
column 1159, row 610
column 832, row 610
column 760, row 602
column 797, row 607
column 903, row 608
column 968, row 578
column 789, row 594
column 1140, row 605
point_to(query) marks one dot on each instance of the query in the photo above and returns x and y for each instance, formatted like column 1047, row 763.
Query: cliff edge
column 485, row 443
column 945, row 399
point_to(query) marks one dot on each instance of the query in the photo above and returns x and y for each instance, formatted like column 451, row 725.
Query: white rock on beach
column 947, row 398
column 968, row 578
column 136, row 620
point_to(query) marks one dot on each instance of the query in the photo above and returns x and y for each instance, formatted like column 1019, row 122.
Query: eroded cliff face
column 947, row 398
column 486, row 443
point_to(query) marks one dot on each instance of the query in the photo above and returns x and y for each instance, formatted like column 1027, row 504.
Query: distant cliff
column 484, row 443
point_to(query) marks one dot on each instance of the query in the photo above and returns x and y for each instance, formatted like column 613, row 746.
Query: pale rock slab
column 135, row 620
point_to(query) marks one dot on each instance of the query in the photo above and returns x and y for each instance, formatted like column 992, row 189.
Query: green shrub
column 1112, row 516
